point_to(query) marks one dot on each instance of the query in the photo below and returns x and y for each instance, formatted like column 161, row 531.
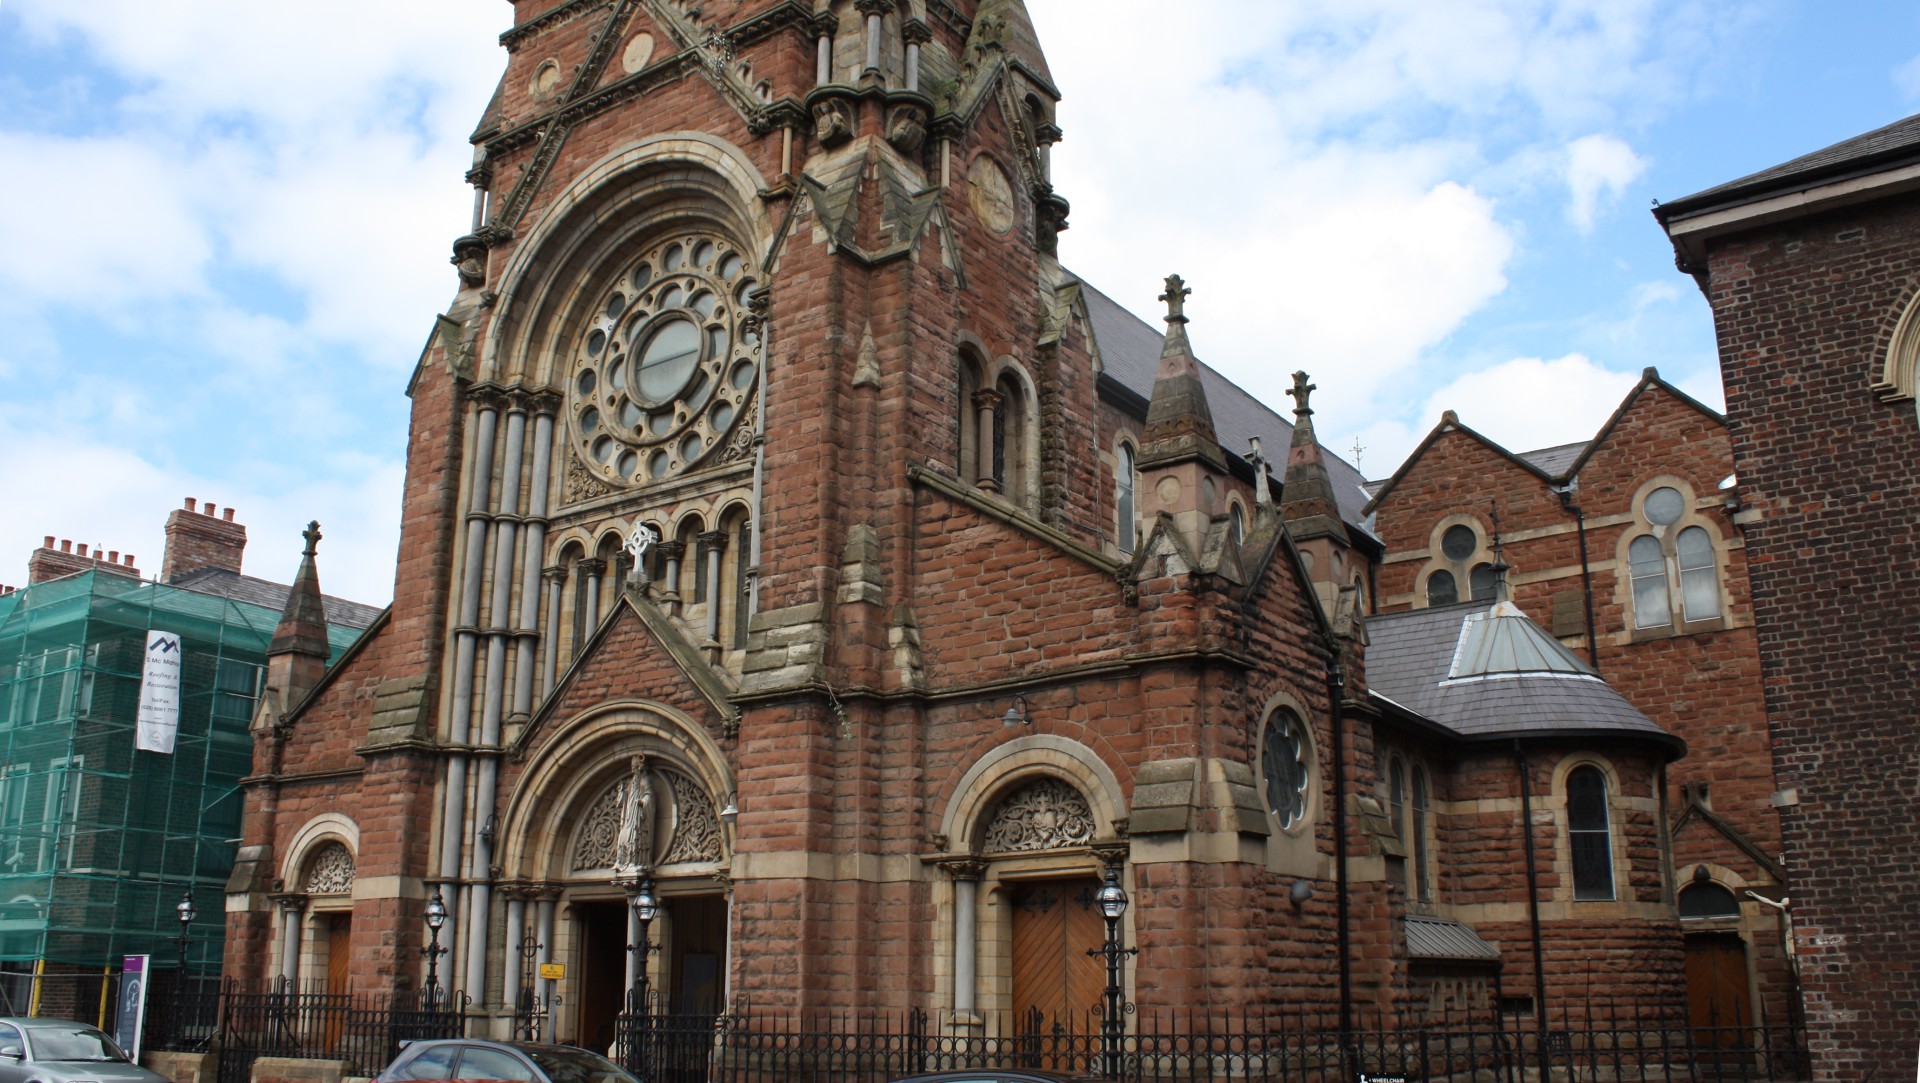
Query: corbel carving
column 832, row 123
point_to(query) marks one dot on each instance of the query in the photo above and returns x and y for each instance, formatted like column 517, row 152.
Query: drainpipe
column 1533, row 895
column 1336, row 692
column 1586, row 571
column 759, row 305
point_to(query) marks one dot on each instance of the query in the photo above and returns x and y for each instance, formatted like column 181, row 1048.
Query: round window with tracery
column 666, row 367
column 1283, row 768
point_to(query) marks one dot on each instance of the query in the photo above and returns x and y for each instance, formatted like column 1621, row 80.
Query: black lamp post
column 645, row 907
column 1112, row 901
column 184, row 909
column 436, row 917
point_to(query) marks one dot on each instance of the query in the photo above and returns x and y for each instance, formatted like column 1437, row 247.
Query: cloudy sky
column 224, row 224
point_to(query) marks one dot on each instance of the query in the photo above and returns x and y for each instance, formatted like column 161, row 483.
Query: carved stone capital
column 873, row 7
column 555, row 574
column 964, row 869
column 591, row 566
column 987, row 399
column 293, row 902
column 1112, row 855
column 711, row 540
column 915, row 32
column 672, row 550
column 488, row 397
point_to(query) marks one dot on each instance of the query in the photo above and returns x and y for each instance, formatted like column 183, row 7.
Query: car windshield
column 577, row 1066
column 72, row 1041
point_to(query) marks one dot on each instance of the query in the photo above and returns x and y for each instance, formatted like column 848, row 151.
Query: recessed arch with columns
column 572, row 767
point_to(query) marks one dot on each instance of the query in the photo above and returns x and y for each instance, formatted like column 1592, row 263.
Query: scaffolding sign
column 159, row 717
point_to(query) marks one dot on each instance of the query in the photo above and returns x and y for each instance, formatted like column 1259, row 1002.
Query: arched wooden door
column 1057, row 985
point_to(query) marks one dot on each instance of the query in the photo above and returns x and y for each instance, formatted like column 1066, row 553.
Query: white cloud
column 1906, row 78
column 1598, row 167
column 1530, row 402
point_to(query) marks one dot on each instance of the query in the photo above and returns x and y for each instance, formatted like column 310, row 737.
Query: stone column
column 556, row 578
column 986, row 401
column 545, row 908
column 293, row 911
column 511, row 976
column 712, row 544
column 916, row 34
column 966, row 935
column 873, row 9
column 593, row 568
column 823, row 58
column 671, row 552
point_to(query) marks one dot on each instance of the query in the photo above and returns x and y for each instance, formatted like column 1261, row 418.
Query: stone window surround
column 1022, row 466
column 300, row 919
column 985, row 880
column 1618, row 803
column 1637, row 526
column 1900, row 370
column 1461, row 570
column 1420, row 896
column 1125, row 451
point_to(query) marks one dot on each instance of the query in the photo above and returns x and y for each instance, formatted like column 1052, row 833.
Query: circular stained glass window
column 1459, row 542
column 668, row 357
column 665, row 364
column 1283, row 768
column 1665, row 505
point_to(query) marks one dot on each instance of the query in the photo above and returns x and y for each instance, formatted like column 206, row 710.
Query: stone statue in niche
column 648, row 817
column 832, row 123
column 633, row 848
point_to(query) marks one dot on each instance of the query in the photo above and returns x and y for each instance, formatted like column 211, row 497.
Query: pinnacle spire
column 1309, row 507
column 1179, row 421
column 303, row 621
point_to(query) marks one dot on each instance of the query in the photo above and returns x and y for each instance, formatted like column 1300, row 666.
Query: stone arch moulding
column 1900, row 369
column 1023, row 760
column 311, row 836
column 571, row 768
column 682, row 179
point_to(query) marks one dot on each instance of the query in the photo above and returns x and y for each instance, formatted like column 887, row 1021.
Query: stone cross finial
column 1176, row 297
column 312, row 534
column 1299, row 391
column 639, row 540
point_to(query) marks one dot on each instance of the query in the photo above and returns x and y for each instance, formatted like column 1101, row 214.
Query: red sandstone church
column 788, row 535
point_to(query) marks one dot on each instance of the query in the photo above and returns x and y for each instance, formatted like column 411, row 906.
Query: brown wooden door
column 1056, row 984
column 1717, row 1000
column 697, row 954
column 339, row 950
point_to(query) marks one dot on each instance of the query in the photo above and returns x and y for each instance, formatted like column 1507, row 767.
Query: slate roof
column 245, row 588
column 1130, row 350
column 1410, row 655
column 1895, row 144
column 1440, row 938
column 1554, row 461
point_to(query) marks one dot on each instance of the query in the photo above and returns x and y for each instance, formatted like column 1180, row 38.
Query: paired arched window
column 1672, row 571
column 1125, row 521
column 1589, row 833
column 1459, row 546
column 997, row 445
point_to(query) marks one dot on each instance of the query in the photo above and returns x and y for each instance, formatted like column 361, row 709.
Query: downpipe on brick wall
column 1586, row 570
column 1533, row 898
column 1336, row 693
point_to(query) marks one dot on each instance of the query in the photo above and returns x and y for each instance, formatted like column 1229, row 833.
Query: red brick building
column 1629, row 548
column 1812, row 269
column 785, row 527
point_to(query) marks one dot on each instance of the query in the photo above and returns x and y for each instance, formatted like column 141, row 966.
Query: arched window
column 1460, row 562
column 742, row 585
column 1124, row 527
column 1481, row 581
column 1672, row 571
column 1589, row 834
column 1239, row 525
column 1283, row 767
column 1422, row 888
column 1708, row 900
column 1012, row 470
column 1397, row 797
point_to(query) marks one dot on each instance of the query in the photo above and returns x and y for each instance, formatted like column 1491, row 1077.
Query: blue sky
column 224, row 225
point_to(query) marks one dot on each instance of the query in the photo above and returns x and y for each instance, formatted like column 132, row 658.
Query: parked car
column 508, row 1062
column 57, row 1051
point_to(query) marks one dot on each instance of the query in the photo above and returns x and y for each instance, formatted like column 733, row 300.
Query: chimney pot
column 113, row 556
column 129, row 560
column 83, row 548
column 229, row 515
column 190, row 503
column 66, row 545
column 49, row 543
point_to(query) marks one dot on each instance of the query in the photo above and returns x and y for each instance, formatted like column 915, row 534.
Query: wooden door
column 602, row 968
column 1718, row 1005
column 339, row 949
column 1057, row 986
column 697, row 954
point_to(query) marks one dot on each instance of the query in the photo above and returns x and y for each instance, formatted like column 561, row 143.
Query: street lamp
column 184, row 908
column 436, row 917
column 645, row 908
column 1112, row 901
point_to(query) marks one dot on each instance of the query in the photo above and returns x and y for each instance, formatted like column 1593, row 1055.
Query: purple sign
column 133, row 1005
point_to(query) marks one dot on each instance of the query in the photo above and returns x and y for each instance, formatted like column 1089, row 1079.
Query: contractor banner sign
column 159, row 717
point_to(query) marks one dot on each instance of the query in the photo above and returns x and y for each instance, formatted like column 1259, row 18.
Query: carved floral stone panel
column 330, row 871
column 1046, row 814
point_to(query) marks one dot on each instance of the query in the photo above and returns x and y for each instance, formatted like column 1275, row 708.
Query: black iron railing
column 364, row 1032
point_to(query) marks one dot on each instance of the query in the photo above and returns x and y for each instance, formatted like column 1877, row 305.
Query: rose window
column 1284, row 767
column 666, row 370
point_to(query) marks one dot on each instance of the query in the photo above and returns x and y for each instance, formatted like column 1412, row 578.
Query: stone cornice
column 540, row 24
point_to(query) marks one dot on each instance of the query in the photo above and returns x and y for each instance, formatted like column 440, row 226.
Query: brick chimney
column 206, row 538
column 48, row 562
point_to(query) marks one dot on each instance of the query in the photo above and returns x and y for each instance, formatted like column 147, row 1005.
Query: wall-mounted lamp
column 731, row 810
column 488, row 829
column 1016, row 715
column 1302, row 891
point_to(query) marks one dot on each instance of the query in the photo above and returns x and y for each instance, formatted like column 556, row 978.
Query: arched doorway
column 1719, row 998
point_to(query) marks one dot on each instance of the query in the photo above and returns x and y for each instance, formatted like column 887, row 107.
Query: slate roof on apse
column 245, row 588
column 1499, row 691
column 1868, row 153
column 1130, row 350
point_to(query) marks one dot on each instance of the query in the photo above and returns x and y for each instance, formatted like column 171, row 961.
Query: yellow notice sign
column 552, row 971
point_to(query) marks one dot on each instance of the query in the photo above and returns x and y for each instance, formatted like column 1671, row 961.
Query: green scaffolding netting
column 98, row 841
